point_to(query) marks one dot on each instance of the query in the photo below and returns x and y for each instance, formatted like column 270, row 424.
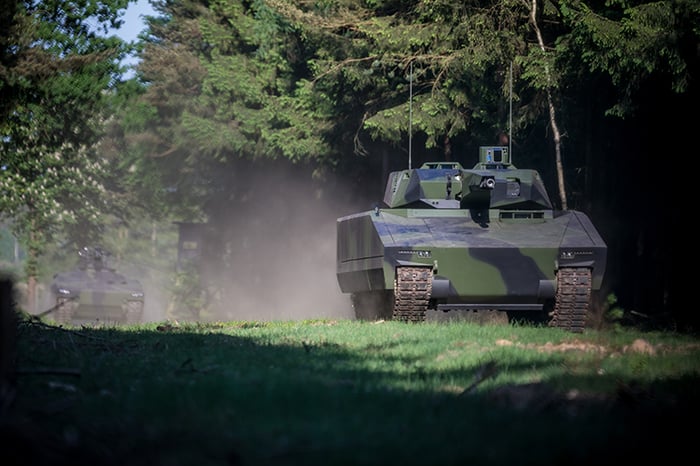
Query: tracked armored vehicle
column 453, row 241
column 94, row 292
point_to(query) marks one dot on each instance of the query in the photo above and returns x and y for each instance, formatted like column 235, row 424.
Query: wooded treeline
column 329, row 96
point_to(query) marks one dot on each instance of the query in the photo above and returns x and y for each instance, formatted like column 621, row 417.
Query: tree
column 222, row 88
column 55, row 74
column 455, row 54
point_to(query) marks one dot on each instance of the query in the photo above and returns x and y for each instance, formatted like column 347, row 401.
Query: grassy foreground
column 348, row 393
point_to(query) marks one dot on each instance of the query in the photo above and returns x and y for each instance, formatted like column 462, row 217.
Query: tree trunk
column 31, row 270
column 448, row 149
column 154, row 240
column 31, row 294
column 552, row 114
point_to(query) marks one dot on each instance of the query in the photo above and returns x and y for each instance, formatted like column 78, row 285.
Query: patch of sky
column 133, row 24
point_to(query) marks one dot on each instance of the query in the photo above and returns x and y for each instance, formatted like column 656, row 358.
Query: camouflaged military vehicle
column 453, row 241
column 95, row 293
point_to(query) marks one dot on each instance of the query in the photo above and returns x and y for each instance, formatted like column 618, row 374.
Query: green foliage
column 631, row 42
column 536, row 69
column 222, row 88
column 363, row 62
column 55, row 74
column 614, row 314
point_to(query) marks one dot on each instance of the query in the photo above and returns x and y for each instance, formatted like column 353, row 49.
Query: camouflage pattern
column 488, row 238
column 96, row 293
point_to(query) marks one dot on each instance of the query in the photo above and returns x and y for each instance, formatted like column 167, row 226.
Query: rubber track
column 412, row 289
column 572, row 299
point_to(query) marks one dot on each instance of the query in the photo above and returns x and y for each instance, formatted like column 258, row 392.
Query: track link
column 412, row 289
column 572, row 299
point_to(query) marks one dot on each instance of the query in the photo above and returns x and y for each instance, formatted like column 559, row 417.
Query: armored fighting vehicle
column 453, row 241
column 94, row 292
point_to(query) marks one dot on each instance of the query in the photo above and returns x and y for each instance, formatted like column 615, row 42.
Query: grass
column 348, row 392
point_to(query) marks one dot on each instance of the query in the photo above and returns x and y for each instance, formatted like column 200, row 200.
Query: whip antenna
column 510, row 114
column 410, row 114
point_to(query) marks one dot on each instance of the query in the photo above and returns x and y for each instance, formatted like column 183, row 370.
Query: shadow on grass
column 171, row 396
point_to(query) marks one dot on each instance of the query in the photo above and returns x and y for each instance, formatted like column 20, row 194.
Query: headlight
column 513, row 189
column 64, row 291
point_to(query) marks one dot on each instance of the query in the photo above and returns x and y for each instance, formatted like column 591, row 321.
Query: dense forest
column 263, row 118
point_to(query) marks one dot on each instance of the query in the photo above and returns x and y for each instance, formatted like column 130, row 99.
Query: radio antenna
column 410, row 114
column 510, row 114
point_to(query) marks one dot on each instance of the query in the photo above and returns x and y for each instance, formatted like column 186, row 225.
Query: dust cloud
column 270, row 252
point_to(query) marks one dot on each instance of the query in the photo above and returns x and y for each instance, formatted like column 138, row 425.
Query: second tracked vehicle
column 456, row 241
column 94, row 292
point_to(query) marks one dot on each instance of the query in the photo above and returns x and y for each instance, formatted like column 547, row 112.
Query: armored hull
column 96, row 293
column 453, row 241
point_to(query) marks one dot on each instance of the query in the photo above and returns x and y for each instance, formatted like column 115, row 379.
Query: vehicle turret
column 93, row 258
column 493, row 183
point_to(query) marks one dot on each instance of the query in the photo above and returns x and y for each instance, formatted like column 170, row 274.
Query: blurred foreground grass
column 348, row 392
